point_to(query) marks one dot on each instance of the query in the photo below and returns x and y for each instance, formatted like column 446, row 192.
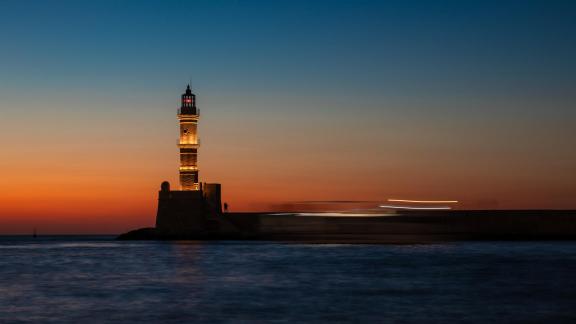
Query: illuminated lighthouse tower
column 188, row 116
column 196, row 208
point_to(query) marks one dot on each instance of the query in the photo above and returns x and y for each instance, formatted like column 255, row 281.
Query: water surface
column 97, row 279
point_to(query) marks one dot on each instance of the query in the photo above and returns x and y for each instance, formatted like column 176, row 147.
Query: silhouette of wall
column 181, row 213
column 212, row 194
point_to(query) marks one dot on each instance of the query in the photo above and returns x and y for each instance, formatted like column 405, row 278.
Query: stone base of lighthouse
column 193, row 212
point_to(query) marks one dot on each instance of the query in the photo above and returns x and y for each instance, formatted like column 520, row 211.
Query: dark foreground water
column 96, row 279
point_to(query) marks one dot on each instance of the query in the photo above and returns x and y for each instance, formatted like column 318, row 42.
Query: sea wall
column 412, row 226
column 196, row 215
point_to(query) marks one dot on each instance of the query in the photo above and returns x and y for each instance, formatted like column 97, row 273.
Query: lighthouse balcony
column 189, row 145
column 189, row 112
column 188, row 168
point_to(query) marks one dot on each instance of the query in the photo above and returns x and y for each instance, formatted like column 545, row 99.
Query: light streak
column 332, row 214
column 422, row 208
column 425, row 201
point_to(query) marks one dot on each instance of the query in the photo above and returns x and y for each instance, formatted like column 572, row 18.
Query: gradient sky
column 300, row 100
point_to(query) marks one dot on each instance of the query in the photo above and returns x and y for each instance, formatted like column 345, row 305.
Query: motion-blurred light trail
column 409, row 207
column 425, row 201
column 335, row 214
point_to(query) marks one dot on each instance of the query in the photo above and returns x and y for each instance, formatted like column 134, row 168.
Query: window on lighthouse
column 187, row 101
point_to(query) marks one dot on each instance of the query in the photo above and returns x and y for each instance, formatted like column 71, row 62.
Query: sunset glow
column 301, row 101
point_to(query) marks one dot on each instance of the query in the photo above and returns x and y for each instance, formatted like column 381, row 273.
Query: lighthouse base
column 182, row 213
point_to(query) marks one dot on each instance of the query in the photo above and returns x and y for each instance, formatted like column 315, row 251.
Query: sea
column 95, row 279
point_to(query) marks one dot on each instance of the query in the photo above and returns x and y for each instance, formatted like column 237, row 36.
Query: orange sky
column 90, row 173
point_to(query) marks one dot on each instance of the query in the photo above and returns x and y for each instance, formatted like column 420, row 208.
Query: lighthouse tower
column 188, row 116
column 195, row 209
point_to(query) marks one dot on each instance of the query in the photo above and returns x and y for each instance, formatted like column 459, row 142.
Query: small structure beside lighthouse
column 188, row 116
column 196, row 207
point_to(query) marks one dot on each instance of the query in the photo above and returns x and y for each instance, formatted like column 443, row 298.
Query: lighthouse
column 196, row 208
column 188, row 116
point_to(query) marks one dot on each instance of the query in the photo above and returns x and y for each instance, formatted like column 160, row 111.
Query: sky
column 300, row 101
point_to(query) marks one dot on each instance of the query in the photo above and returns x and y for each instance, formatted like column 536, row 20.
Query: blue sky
column 374, row 48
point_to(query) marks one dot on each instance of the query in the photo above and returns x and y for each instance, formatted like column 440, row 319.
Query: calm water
column 96, row 279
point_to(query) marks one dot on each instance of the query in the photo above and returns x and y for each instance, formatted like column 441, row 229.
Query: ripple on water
column 93, row 280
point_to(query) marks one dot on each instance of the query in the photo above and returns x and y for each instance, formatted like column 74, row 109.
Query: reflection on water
column 95, row 279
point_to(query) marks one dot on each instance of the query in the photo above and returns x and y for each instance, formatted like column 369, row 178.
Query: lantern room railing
column 189, row 111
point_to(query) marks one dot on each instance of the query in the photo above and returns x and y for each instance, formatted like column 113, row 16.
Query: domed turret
column 188, row 104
